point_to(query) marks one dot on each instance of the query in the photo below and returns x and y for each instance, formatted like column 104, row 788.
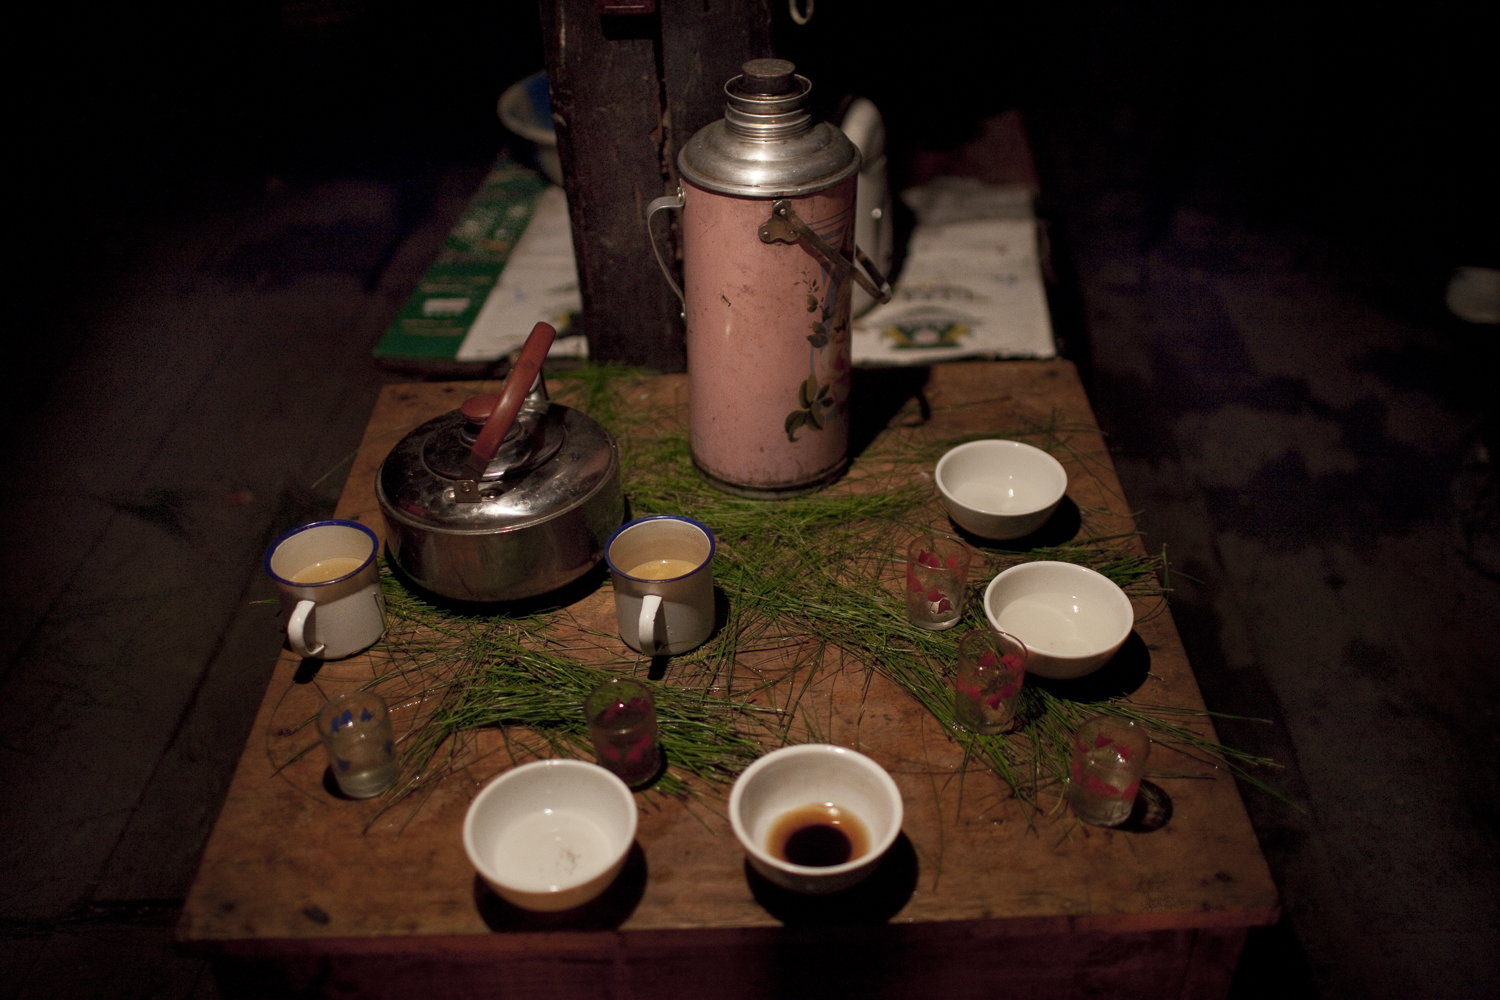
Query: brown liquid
column 327, row 569
column 818, row 836
column 662, row 569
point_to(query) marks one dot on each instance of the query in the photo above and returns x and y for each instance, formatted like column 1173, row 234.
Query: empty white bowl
column 787, row 781
column 552, row 834
column 1071, row 618
column 1000, row 489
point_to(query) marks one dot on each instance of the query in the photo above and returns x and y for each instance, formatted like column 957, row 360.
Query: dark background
column 1375, row 126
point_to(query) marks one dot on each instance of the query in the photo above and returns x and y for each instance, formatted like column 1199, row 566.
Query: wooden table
column 293, row 885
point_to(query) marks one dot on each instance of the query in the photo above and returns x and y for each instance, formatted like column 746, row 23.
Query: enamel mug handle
column 296, row 630
column 646, row 627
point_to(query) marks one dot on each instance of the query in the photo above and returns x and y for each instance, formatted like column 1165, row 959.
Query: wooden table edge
column 693, row 938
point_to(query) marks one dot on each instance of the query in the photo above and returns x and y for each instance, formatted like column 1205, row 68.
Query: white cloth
column 539, row 283
column 971, row 285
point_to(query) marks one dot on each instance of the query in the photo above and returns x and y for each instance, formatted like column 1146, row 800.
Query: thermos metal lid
column 767, row 145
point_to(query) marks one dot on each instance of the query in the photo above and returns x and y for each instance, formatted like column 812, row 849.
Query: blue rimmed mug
column 662, row 568
column 330, row 587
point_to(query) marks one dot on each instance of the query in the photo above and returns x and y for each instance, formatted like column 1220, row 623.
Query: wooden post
column 628, row 90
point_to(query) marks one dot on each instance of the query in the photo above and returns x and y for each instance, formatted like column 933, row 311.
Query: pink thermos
column 767, row 203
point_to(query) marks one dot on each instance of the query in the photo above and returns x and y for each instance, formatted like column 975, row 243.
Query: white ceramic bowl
column 552, row 834
column 1000, row 489
column 787, row 780
column 1071, row 618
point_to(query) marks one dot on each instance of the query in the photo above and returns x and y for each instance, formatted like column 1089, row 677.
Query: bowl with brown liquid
column 815, row 818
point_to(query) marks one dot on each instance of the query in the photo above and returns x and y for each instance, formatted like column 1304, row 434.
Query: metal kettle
column 769, row 264
column 508, row 497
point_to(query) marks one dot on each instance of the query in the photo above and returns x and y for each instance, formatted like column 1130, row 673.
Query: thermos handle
column 784, row 226
column 665, row 201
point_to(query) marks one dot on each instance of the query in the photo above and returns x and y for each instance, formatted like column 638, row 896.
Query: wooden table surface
column 292, row 871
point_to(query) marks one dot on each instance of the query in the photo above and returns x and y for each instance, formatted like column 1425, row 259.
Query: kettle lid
column 499, row 462
column 559, row 461
column 767, row 145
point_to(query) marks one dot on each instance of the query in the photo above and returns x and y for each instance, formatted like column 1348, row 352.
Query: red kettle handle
column 517, row 385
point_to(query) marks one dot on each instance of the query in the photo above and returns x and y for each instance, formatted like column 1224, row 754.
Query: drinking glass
column 621, row 714
column 937, row 571
column 987, row 684
column 356, row 731
column 1109, row 758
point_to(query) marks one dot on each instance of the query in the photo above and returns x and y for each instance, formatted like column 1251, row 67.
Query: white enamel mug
column 330, row 587
column 662, row 568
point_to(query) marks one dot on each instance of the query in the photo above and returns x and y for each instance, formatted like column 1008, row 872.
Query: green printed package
column 436, row 318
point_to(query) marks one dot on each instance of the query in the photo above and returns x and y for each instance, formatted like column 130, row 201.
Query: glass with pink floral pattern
column 987, row 683
column 621, row 715
column 1109, row 758
column 937, row 571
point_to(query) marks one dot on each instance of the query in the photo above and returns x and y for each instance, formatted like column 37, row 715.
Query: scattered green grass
column 814, row 577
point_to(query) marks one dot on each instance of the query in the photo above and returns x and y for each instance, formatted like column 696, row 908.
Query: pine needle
column 810, row 576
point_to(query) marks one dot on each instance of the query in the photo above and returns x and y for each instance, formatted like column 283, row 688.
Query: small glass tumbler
column 1109, row 758
column 937, row 571
column 356, row 731
column 987, row 686
column 621, row 714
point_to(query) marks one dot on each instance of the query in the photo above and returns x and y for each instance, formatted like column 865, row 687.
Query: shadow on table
column 307, row 670
column 661, row 769
column 1152, row 809
column 874, row 901
column 1123, row 674
column 605, row 912
column 331, row 785
column 1062, row 527
column 562, row 597
column 876, row 395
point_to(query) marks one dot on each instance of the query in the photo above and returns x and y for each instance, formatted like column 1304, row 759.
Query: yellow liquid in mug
column 662, row 569
column 327, row 569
